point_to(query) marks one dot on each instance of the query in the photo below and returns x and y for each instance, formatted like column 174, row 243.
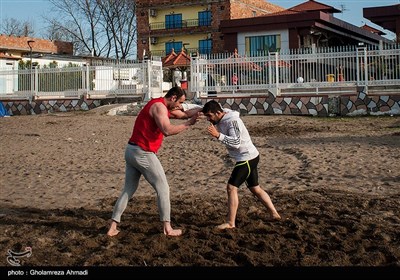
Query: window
column 177, row 46
column 205, row 18
column 262, row 44
column 205, row 46
column 173, row 21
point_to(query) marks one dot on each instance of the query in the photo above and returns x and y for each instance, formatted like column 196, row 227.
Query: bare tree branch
column 12, row 26
column 100, row 27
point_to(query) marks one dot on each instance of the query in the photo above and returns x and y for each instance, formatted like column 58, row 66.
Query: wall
column 245, row 8
column 26, row 107
column 321, row 106
column 370, row 104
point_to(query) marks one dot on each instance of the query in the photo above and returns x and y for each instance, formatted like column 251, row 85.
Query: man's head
column 213, row 111
column 175, row 97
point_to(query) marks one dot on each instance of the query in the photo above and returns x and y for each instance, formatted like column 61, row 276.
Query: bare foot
column 173, row 232
column 224, row 226
column 112, row 232
column 276, row 216
column 169, row 231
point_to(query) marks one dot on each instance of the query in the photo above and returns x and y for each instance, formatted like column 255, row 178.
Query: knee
column 256, row 190
column 231, row 189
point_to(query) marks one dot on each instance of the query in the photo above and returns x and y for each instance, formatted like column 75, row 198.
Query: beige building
column 15, row 48
column 164, row 26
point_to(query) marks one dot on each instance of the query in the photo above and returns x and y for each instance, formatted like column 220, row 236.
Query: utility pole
column 30, row 58
column 30, row 53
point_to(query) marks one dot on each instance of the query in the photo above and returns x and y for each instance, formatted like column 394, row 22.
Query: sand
column 335, row 182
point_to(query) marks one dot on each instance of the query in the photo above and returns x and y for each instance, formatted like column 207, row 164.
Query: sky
column 33, row 10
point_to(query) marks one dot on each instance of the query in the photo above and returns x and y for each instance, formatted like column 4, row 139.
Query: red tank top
column 146, row 133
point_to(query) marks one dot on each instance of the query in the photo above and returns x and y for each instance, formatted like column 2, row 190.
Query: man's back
column 146, row 132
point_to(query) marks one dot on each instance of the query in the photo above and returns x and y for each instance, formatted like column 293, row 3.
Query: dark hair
column 177, row 91
column 212, row 106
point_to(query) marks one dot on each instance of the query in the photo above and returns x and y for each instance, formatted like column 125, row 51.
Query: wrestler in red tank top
column 146, row 133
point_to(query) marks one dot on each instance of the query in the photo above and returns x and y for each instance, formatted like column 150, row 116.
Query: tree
column 12, row 26
column 100, row 27
column 119, row 21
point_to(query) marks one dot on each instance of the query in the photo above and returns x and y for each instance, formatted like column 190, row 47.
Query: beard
column 215, row 122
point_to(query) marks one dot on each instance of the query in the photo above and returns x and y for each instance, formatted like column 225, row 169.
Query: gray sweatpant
column 137, row 163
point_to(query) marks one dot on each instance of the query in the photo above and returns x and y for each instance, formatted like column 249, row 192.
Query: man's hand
column 213, row 131
column 194, row 119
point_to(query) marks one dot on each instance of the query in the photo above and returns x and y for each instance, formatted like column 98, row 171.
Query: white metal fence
column 114, row 79
column 297, row 71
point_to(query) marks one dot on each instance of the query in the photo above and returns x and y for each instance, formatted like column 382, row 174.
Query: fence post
column 36, row 83
column 361, row 55
column 366, row 70
column 147, row 79
column 87, row 81
column 197, row 74
column 277, row 70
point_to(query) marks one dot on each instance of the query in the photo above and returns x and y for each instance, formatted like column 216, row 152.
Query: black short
column 245, row 172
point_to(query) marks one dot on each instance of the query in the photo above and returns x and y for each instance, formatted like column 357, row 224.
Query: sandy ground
column 335, row 182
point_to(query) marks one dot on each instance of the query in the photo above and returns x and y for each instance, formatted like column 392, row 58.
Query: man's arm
column 232, row 136
column 160, row 114
column 185, row 114
column 178, row 114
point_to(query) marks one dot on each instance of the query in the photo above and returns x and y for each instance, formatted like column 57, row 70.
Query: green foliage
column 72, row 80
column 24, row 65
column 53, row 64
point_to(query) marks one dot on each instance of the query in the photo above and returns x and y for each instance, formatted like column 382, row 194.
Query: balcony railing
column 180, row 24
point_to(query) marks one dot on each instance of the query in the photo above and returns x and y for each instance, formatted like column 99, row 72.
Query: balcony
column 183, row 24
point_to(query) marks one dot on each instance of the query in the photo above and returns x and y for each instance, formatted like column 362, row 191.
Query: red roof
column 174, row 60
column 309, row 6
column 312, row 5
column 373, row 30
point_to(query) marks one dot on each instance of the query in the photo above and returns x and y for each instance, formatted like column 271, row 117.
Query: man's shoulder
column 157, row 107
column 156, row 100
column 231, row 114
